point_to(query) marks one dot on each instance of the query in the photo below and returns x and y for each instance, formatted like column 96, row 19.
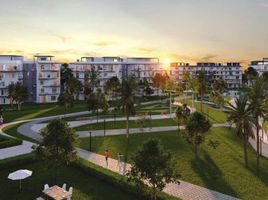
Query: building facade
column 260, row 66
column 47, row 79
column 108, row 67
column 11, row 71
column 230, row 72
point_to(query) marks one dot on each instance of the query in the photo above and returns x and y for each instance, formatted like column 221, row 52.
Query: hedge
column 116, row 180
column 17, row 161
column 9, row 142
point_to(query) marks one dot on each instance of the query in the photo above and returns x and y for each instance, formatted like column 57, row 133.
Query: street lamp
column 104, row 127
column 89, row 140
column 170, row 101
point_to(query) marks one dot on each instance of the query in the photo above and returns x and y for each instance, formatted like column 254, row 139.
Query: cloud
column 263, row 5
column 62, row 38
column 208, row 57
column 104, row 43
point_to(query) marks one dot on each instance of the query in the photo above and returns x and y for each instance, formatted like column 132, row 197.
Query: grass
column 220, row 169
column 122, row 124
column 8, row 142
column 30, row 111
column 12, row 130
column 155, row 108
column 214, row 115
column 85, row 187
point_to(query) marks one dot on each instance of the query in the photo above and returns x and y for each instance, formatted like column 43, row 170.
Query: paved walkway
column 24, row 148
column 184, row 190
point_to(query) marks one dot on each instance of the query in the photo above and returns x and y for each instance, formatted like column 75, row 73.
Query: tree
column 112, row 85
column 21, row 94
column 182, row 114
column 57, row 145
column 185, row 79
column 65, row 74
column 193, row 85
column 98, row 101
column 11, row 89
column 240, row 115
column 196, row 128
column 74, row 86
column 66, row 99
column 157, row 81
column 153, row 166
column 258, row 95
column 127, row 101
column 202, row 86
column 219, row 87
column 91, row 82
column 249, row 75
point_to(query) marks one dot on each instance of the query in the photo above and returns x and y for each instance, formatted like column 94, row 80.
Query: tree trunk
column 245, row 150
column 201, row 103
column 258, row 144
column 127, row 125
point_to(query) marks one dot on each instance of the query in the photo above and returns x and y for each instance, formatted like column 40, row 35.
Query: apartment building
column 47, row 79
column 11, row 67
column 230, row 72
column 42, row 79
column 141, row 68
column 260, row 66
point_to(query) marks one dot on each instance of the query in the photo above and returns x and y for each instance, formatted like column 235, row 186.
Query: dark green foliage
column 196, row 128
column 152, row 166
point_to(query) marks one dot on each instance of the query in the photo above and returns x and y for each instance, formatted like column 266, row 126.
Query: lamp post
column 104, row 127
column 89, row 140
column 170, row 101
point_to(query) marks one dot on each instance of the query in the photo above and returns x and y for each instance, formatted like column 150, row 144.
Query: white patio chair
column 40, row 198
column 71, row 190
column 46, row 186
column 64, row 186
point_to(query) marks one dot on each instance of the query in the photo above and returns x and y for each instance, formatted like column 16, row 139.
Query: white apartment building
column 260, row 66
column 10, row 72
column 230, row 72
column 141, row 68
column 47, row 79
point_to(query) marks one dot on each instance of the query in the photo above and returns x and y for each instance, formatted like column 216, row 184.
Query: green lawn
column 31, row 111
column 86, row 187
column 220, row 169
column 155, row 108
column 214, row 115
column 8, row 142
column 122, row 124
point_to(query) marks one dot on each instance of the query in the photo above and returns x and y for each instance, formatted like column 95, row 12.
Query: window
column 42, row 90
column 2, row 92
column 42, row 67
column 53, row 98
column 54, row 90
column 41, row 82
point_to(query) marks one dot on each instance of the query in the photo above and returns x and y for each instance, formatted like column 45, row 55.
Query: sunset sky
column 179, row 30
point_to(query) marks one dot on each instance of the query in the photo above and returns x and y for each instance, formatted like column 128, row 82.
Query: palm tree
column 127, row 100
column 193, row 85
column 240, row 115
column 201, row 86
column 258, row 96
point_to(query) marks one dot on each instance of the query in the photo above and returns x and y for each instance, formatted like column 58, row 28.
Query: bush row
column 17, row 161
column 116, row 180
column 9, row 142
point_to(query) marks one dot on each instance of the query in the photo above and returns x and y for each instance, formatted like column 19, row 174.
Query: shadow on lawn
column 211, row 175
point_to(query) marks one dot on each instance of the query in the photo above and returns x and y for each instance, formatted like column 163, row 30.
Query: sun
column 167, row 63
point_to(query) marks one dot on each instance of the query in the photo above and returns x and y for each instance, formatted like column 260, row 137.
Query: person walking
column 106, row 154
